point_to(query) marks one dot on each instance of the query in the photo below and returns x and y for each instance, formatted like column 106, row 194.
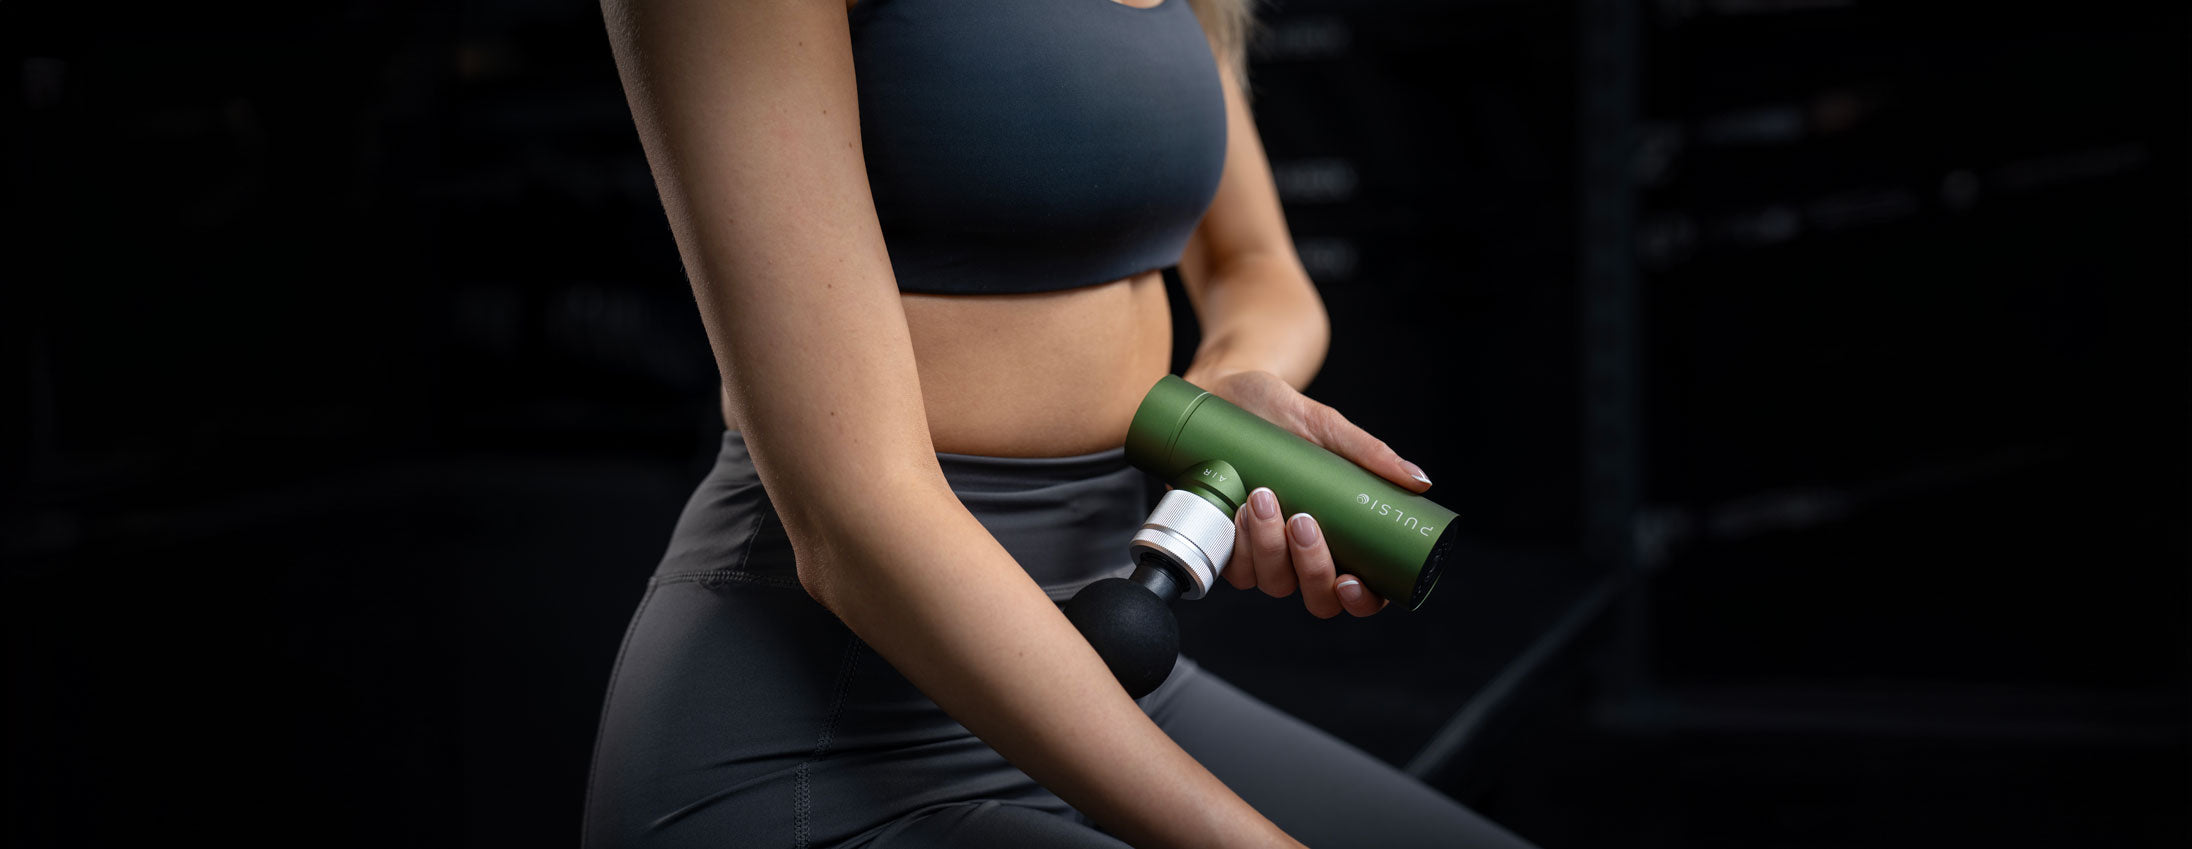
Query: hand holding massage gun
column 1213, row 453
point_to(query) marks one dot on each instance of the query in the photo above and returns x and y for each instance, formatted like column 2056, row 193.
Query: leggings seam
column 712, row 578
column 802, row 800
column 593, row 773
column 761, row 518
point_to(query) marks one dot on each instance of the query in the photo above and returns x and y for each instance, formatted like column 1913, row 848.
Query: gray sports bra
column 1032, row 145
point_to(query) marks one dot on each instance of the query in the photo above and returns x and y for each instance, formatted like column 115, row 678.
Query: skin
column 747, row 111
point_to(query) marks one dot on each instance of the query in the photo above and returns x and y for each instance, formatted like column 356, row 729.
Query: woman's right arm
column 747, row 110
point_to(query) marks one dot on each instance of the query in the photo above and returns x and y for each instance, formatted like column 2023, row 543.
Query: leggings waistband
column 983, row 471
column 1066, row 520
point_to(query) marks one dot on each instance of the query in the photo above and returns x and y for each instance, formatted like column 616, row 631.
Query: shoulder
column 1229, row 24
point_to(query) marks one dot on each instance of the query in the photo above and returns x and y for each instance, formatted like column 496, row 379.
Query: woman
column 935, row 301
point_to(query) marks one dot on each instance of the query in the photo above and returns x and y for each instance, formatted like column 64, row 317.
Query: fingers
column 1268, row 549
column 1335, row 432
column 1241, row 570
column 1312, row 566
column 1280, row 556
column 1357, row 597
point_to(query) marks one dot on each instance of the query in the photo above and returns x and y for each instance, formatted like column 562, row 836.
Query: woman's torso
column 1051, row 374
column 1048, row 373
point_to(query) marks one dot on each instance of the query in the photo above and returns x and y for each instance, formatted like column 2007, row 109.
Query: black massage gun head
column 1129, row 622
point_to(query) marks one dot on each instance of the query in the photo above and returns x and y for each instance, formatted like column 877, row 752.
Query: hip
column 741, row 707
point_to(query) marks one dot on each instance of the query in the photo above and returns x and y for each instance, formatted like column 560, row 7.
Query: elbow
column 847, row 545
column 820, row 548
column 1320, row 322
column 1315, row 333
column 827, row 560
column 816, row 578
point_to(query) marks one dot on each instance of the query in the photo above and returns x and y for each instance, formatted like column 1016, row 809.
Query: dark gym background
column 1812, row 374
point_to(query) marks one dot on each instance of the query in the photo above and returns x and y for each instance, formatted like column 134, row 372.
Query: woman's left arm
column 1257, row 308
column 1264, row 337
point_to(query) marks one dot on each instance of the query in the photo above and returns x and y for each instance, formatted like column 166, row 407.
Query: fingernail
column 1414, row 471
column 1350, row 590
column 1305, row 529
column 1267, row 505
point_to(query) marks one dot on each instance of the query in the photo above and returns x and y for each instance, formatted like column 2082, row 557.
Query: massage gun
column 1213, row 453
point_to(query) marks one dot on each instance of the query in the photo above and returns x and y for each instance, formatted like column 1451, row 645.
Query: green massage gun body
column 1395, row 540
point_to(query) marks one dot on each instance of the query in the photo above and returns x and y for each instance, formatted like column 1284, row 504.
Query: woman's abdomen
column 1046, row 374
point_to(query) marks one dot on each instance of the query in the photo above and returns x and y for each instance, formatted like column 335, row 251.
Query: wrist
column 1204, row 377
column 1230, row 353
column 1250, row 829
column 1206, row 371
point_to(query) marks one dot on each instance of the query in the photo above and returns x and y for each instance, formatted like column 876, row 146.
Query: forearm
column 1261, row 313
column 933, row 592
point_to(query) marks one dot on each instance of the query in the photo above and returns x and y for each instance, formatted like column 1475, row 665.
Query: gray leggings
column 742, row 714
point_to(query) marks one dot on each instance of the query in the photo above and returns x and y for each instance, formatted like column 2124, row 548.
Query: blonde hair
column 1229, row 24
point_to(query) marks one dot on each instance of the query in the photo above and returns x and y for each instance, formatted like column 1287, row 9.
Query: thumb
column 1342, row 437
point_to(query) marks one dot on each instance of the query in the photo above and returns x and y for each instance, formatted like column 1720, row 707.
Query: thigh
column 744, row 715
column 1322, row 791
column 710, row 727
